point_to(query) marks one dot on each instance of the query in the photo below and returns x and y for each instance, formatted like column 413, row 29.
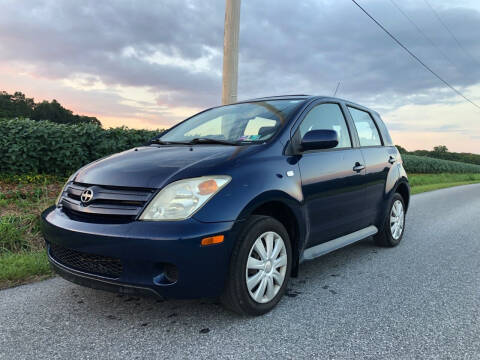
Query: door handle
column 392, row 159
column 358, row 167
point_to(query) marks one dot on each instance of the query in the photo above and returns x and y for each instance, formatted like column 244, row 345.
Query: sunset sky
column 150, row 64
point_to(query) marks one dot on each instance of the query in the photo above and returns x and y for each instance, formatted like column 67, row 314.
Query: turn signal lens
column 212, row 240
column 207, row 187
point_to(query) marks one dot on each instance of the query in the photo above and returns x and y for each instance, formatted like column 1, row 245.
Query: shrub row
column 447, row 155
column 28, row 146
column 43, row 147
column 427, row 165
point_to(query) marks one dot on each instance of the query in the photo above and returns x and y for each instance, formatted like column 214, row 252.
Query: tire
column 388, row 236
column 266, row 269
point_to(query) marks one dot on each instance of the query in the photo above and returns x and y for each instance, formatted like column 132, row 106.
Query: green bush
column 427, row 165
column 43, row 147
column 27, row 178
column 28, row 146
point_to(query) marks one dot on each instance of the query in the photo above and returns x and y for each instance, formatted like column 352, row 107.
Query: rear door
column 332, row 179
column 378, row 160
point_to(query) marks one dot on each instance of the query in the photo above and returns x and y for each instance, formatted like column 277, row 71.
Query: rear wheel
column 260, row 267
column 394, row 225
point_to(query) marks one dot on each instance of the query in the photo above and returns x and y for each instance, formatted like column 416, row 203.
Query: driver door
column 332, row 189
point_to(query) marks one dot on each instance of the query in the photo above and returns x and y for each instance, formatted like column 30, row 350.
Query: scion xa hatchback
column 229, row 202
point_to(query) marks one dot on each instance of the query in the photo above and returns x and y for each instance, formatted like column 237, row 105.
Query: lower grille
column 93, row 264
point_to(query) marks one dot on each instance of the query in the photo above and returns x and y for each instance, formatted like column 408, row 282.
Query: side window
column 366, row 129
column 327, row 117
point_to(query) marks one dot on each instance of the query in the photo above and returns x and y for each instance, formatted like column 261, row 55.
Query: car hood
column 154, row 166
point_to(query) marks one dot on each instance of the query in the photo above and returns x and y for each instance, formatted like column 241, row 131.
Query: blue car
column 229, row 202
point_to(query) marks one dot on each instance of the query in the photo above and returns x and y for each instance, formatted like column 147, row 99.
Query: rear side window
column 327, row 117
column 366, row 129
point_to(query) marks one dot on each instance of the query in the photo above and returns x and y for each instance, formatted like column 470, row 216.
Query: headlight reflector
column 181, row 199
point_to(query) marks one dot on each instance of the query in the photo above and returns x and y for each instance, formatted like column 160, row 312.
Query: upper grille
column 93, row 264
column 107, row 204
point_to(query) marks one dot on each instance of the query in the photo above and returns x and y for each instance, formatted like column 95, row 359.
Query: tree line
column 17, row 105
column 441, row 152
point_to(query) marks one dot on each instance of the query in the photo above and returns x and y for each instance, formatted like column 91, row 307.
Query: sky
column 150, row 64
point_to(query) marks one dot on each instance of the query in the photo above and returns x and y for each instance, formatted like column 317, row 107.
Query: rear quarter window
column 366, row 129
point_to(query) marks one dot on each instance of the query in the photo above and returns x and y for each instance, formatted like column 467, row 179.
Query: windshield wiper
column 160, row 142
column 193, row 142
column 210, row 141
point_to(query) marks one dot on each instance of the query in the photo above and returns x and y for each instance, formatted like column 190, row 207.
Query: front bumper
column 145, row 249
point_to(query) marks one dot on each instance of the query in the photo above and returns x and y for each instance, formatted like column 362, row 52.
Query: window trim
column 294, row 139
column 380, row 136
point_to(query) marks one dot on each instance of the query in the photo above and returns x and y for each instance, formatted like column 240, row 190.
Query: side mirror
column 319, row 139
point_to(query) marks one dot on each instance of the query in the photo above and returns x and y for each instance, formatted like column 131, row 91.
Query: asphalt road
column 418, row 300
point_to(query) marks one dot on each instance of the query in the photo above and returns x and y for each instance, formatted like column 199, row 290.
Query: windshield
column 239, row 123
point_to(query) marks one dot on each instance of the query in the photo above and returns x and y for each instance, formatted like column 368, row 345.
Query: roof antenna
column 336, row 89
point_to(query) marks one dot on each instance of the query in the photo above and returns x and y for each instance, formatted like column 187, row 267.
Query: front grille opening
column 73, row 196
column 98, row 218
column 117, row 188
column 119, row 202
column 109, row 201
column 89, row 263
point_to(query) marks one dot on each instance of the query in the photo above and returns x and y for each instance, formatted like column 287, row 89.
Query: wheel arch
column 403, row 189
column 401, row 186
column 287, row 211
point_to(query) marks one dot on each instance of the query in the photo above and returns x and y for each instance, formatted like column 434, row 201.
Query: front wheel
column 260, row 267
column 394, row 225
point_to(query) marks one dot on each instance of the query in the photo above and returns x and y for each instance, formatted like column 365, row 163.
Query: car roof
column 281, row 97
column 308, row 97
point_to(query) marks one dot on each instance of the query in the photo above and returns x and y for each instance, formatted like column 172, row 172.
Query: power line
column 423, row 33
column 414, row 56
column 450, row 32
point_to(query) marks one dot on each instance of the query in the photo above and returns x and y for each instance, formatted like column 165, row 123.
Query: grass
column 22, row 253
column 427, row 182
column 24, row 197
column 23, row 267
column 19, row 233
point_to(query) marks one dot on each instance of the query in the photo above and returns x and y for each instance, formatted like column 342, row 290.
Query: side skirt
column 332, row 245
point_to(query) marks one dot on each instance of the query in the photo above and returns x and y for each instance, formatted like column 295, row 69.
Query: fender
column 296, row 211
column 396, row 177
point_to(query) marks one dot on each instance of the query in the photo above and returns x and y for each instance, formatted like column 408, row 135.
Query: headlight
column 181, row 199
column 59, row 197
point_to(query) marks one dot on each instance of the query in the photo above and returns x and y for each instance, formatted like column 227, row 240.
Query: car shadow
column 317, row 278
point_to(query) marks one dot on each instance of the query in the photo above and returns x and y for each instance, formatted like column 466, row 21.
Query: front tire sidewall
column 240, row 294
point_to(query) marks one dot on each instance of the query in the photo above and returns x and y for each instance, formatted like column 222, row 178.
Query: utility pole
column 230, row 51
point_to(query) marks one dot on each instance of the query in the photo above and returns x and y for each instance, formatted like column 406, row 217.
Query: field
column 426, row 165
column 24, row 197
column 426, row 182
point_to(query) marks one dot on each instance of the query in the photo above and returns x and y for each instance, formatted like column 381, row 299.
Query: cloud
column 312, row 46
column 116, row 42
column 307, row 47
column 171, row 51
